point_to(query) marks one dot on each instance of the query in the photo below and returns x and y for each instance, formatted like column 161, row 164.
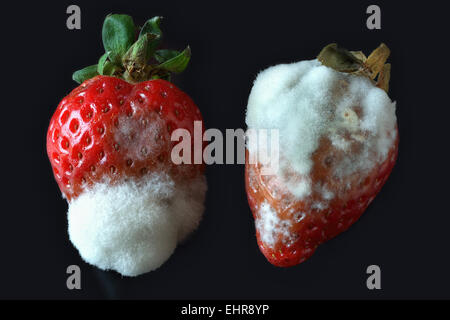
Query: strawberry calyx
column 134, row 60
column 356, row 62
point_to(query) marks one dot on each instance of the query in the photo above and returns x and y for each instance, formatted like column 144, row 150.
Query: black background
column 404, row 231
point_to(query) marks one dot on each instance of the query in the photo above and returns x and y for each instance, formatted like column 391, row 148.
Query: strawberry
column 338, row 145
column 109, row 145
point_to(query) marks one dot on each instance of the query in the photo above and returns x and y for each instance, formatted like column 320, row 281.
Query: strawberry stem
column 134, row 60
column 355, row 62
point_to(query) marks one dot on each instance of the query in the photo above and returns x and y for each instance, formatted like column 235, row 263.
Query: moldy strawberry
column 110, row 150
column 338, row 145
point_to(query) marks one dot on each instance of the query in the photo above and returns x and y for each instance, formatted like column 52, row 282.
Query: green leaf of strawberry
column 178, row 63
column 118, row 35
column 152, row 27
column 339, row 59
column 164, row 54
column 85, row 73
column 102, row 62
column 138, row 54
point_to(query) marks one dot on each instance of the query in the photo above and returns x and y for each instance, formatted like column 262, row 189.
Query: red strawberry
column 109, row 144
column 108, row 127
column 345, row 173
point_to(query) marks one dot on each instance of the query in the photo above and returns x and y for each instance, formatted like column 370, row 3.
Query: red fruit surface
column 109, row 129
column 315, row 226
